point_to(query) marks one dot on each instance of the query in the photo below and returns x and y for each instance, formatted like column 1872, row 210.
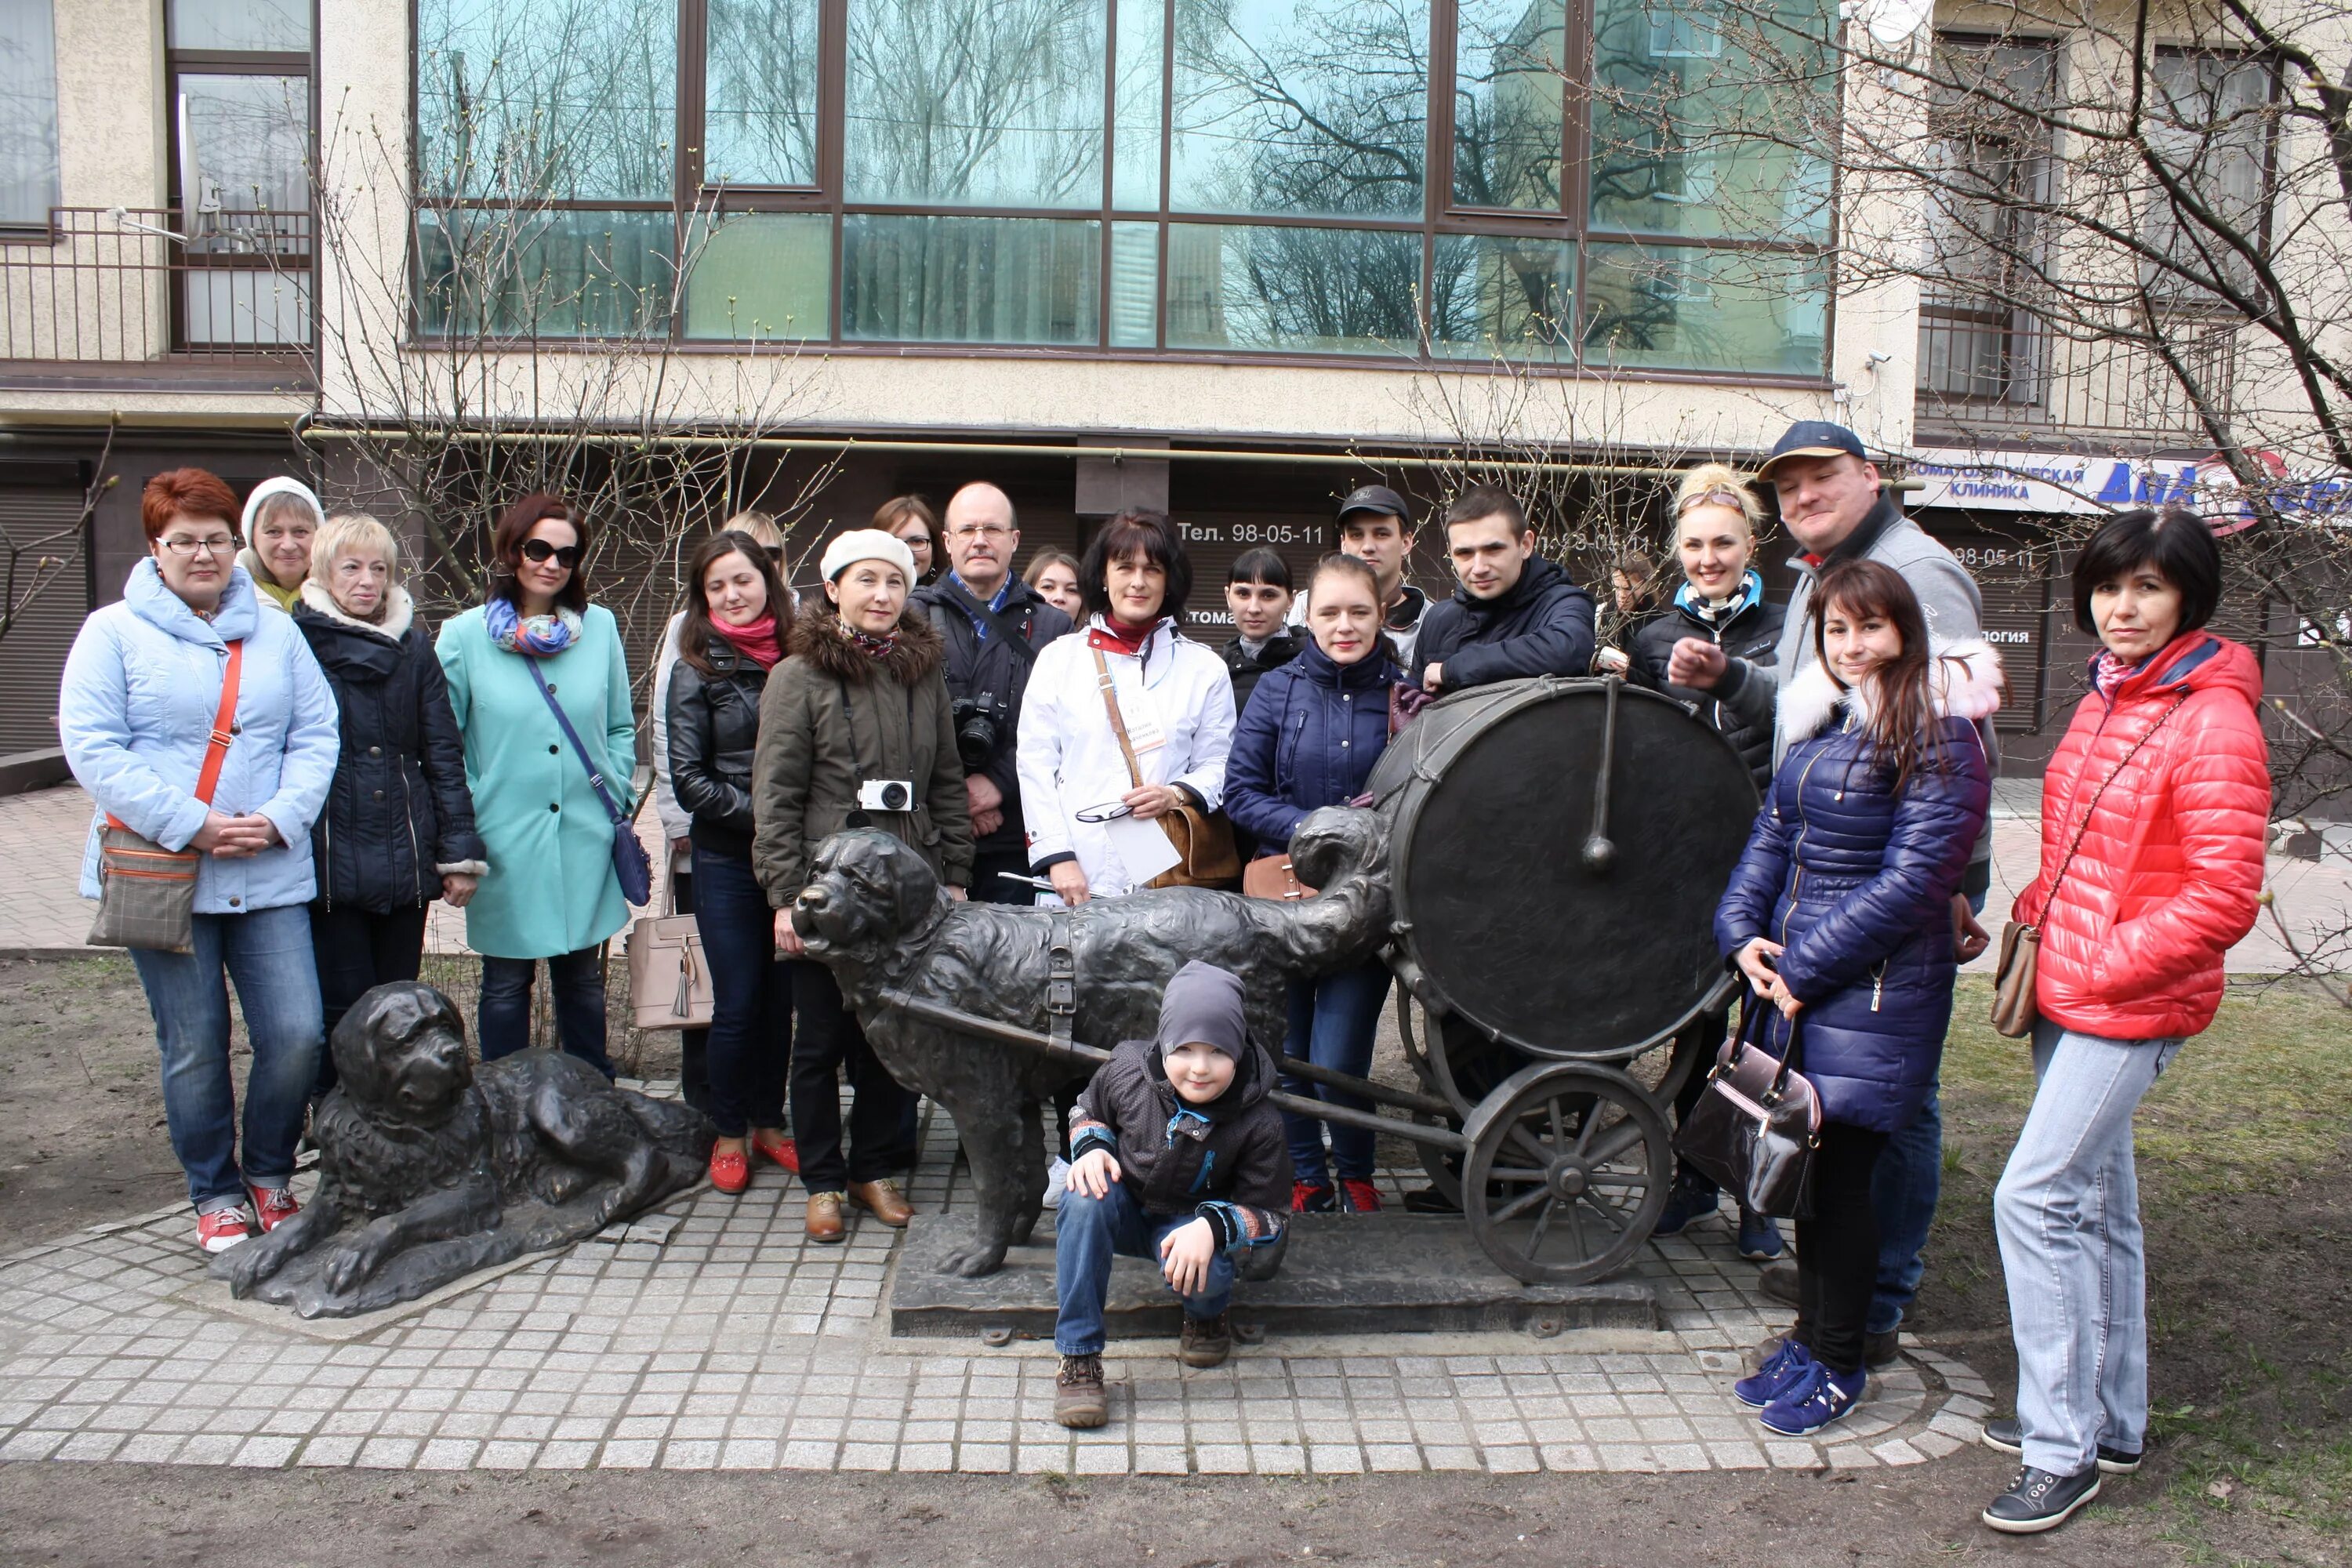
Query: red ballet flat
column 730, row 1171
column 783, row 1151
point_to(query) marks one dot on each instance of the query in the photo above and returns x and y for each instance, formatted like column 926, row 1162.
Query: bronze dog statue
column 429, row 1169
column 875, row 914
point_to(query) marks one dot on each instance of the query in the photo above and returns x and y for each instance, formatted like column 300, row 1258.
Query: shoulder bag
column 2015, row 1009
column 1203, row 839
column 1758, row 1127
column 146, row 893
column 669, row 984
column 629, row 861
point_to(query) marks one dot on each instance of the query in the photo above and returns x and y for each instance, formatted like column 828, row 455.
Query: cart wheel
column 1569, row 1169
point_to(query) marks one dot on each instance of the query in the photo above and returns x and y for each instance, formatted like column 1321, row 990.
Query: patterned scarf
column 538, row 636
column 2109, row 673
column 872, row 645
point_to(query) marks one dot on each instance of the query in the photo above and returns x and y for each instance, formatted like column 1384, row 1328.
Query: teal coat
column 551, row 887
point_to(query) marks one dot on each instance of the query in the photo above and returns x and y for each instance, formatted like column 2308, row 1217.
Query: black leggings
column 357, row 949
column 1837, row 1250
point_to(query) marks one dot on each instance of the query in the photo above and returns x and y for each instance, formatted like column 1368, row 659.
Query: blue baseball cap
column 1813, row 438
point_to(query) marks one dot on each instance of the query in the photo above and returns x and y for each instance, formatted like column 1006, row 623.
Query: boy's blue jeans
column 1088, row 1233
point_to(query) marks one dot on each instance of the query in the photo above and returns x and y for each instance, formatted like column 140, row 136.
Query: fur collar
column 1965, row 682
column 399, row 610
column 816, row 638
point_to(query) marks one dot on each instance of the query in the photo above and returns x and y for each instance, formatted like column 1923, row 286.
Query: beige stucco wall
column 111, row 119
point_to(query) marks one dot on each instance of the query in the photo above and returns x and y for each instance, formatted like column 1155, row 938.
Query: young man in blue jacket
column 1515, row 614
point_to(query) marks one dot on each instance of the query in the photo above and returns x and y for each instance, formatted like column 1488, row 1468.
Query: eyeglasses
column 181, row 545
column 1109, row 812
column 1717, row 497
column 992, row 532
column 540, row 551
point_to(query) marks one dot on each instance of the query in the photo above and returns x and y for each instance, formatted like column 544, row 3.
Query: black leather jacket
column 714, row 729
column 1752, row 632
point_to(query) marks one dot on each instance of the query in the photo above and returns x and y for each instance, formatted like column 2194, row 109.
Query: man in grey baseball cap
column 1376, row 527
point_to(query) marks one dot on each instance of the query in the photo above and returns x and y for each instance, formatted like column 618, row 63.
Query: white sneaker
column 1057, row 1177
column 223, row 1228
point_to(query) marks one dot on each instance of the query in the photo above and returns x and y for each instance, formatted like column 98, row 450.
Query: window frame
column 695, row 197
column 2177, row 297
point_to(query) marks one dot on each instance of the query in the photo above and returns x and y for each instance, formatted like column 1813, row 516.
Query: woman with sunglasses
column 551, row 891
column 1079, row 794
column 677, row 822
column 1721, row 599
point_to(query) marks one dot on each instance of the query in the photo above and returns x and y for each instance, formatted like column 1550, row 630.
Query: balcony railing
column 1984, row 371
column 136, row 286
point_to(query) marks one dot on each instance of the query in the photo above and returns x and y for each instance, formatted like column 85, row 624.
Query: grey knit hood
column 1203, row 1004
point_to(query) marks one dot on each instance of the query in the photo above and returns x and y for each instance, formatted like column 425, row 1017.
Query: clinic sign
column 2073, row 484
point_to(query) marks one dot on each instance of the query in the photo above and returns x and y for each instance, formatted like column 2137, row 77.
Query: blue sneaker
column 1759, row 1238
column 1780, row 1370
column 1691, row 1200
column 1815, row 1401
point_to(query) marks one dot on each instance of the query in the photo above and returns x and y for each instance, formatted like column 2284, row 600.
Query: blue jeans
column 1910, row 1181
column 1088, row 1233
column 268, row 953
column 2067, row 1213
column 577, row 982
column 1333, row 1022
column 751, row 1047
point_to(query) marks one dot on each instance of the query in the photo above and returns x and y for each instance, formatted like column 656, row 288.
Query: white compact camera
column 886, row 795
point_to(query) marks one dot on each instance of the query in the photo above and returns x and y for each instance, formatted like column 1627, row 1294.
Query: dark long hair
column 1902, row 729
column 1155, row 536
column 506, row 548
column 695, row 634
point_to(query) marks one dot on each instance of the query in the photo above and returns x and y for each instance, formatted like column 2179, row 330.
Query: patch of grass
column 2259, row 1099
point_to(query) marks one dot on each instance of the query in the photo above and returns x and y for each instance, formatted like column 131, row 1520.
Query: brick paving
column 732, row 1344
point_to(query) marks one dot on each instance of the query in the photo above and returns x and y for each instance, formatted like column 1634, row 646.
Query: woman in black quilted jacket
column 398, row 828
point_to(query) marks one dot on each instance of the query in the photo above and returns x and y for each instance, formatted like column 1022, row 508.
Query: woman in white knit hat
column 282, row 517
column 857, row 706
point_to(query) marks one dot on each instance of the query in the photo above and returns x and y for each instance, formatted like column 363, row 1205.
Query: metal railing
column 136, row 286
column 1993, row 370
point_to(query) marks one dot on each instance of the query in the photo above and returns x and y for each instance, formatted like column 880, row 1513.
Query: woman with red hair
column 141, row 717
column 551, row 891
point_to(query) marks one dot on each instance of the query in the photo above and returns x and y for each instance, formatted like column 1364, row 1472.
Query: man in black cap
column 1835, row 509
column 1375, row 528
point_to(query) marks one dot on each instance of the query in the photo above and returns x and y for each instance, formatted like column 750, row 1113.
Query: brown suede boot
column 883, row 1198
column 1079, row 1397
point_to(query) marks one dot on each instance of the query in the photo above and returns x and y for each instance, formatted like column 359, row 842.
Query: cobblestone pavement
column 41, row 841
column 731, row 1344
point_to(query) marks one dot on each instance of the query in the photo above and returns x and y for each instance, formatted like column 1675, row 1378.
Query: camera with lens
column 979, row 728
column 886, row 795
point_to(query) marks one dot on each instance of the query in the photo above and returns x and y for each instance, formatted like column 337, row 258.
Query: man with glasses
column 992, row 624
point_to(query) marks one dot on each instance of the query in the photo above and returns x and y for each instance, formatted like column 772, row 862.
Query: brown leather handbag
column 1273, row 876
column 1206, row 857
column 2015, row 1010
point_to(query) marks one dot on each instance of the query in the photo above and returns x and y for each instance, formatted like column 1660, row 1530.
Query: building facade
column 1232, row 257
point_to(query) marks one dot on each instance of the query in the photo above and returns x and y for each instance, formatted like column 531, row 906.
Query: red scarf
column 1112, row 637
column 755, row 640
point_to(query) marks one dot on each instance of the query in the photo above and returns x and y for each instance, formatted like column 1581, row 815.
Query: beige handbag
column 669, row 984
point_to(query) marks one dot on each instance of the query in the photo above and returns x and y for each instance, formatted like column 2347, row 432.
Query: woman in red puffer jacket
column 2154, row 816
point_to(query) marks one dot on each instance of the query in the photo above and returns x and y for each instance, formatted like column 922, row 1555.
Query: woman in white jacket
column 1175, row 698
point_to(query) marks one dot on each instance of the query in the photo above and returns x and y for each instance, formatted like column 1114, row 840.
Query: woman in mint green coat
column 551, row 892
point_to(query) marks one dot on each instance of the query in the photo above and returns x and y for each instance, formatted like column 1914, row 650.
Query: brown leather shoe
column 883, row 1198
column 824, row 1216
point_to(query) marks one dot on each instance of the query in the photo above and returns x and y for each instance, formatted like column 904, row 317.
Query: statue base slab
column 1341, row 1274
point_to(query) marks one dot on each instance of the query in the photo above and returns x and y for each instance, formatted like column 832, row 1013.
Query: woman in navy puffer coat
column 1309, row 737
column 1840, row 914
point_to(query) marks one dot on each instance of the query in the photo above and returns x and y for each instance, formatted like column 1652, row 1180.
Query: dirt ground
column 2250, row 1300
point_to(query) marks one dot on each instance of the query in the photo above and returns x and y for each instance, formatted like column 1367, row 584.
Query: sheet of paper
column 1143, row 848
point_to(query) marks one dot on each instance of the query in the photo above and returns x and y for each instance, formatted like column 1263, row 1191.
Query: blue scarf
column 540, row 636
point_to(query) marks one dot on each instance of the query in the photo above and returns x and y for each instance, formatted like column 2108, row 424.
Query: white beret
column 867, row 544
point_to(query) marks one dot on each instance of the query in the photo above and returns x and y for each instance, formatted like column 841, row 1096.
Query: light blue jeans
column 2067, row 1211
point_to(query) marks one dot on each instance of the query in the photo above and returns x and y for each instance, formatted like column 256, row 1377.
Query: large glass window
column 1244, row 176
column 2212, row 115
column 28, row 113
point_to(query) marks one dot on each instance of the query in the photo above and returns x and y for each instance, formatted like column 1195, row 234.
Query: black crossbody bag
column 1758, row 1128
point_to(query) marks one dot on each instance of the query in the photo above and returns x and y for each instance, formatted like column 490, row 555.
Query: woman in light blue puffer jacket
column 143, row 686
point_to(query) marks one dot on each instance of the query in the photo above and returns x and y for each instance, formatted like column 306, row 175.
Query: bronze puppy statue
column 429, row 1169
column 876, row 915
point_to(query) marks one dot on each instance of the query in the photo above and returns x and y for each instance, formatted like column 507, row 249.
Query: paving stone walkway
column 729, row 1344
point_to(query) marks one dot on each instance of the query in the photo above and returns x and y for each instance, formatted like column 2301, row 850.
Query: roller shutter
column 33, row 653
